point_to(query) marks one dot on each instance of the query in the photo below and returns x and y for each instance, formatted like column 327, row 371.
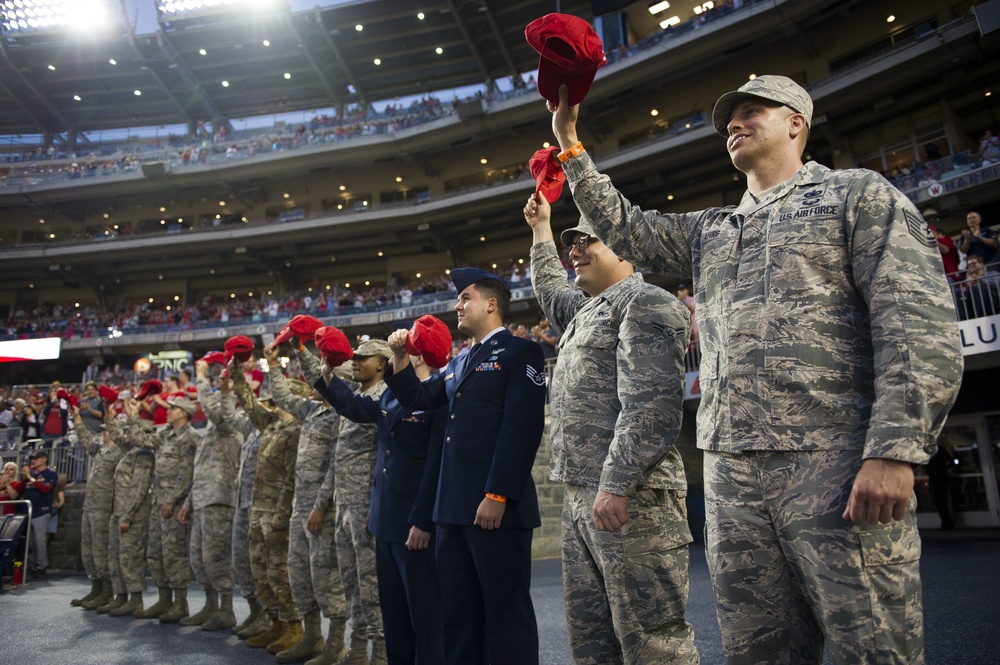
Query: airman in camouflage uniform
column 830, row 359
column 624, row 527
column 257, row 621
column 270, row 514
column 128, row 525
column 175, row 445
column 354, row 465
column 104, row 457
column 210, row 506
column 312, row 552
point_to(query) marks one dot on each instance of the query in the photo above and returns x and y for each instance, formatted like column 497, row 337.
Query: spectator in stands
column 990, row 147
column 6, row 413
column 949, row 253
column 58, row 501
column 684, row 295
column 978, row 240
column 91, row 408
column 29, row 423
column 10, row 488
column 54, row 417
column 979, row 295
column 253, row 374
column 547, row 337
column 37, row 483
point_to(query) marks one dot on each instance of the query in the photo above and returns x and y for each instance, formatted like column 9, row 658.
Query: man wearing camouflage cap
column 830, row 359
column 612, row 444
column 354, row 464
column 175, row 445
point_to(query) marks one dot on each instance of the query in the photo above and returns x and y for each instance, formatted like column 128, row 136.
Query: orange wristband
column 496, row 497
column 570, row 153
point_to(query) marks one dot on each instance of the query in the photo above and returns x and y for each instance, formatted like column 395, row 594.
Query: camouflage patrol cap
column 780, row 89
column 265, row 396
column 583, row 228
column 300, row 388
column 184, row 404
column 374, row 347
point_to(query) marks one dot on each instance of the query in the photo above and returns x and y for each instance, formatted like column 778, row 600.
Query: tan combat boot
column 310, row 645
column 103, row 598
column 159, row 607
column 211, row 606
column 133, row 605
column 291, row 636
column 95, row 591
column 113, row 604
column 179, row 609
column 271, row 634
column 255, row 612
column 223, row 617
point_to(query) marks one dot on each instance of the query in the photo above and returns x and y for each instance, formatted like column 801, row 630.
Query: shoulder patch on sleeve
column 536, row 376
column 919, row 229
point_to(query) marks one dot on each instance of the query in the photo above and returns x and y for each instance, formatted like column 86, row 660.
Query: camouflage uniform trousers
column 626, row 591
column 169, row 563
column 127, row 555
column 241, row 552
column 787, row 568
column 356, row 558
column 269, row 563
column 211, row 547
column 94, row 543
column 312, row 567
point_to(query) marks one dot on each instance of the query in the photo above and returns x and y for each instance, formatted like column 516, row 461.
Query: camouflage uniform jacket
column 320, row 427
column 354, row 457
column 248, row 451
column 824, row 316
column 618, row 386
column 175, row 449
column 274, row 479
column 217, row 460
column 101, row 475
column 133, row 478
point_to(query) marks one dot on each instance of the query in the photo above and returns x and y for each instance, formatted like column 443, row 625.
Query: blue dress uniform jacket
column 408, row 462
column 403, row 491
column 496, row 411
column 496, row 415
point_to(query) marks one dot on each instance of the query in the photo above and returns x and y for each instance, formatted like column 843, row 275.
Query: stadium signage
column 955, row 184
column 980, row 335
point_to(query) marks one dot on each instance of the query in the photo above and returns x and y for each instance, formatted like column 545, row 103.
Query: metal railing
column 65, row 457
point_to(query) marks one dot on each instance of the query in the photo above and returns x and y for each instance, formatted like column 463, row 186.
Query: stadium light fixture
column 225, row 84
column 673, row 20
column 657, row 7
column 439, row 50
column 377, row 61
column 266, row 42
column 113, row 61
column 77, row 98
column 420, row 16
column 359, row 27
column 52, row 68
column 287, row 75
column 890, row 18
column 202, row 51
column 137, row 93
column 86, row 16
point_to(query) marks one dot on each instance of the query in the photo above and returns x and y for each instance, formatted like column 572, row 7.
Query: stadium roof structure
column 233, row 63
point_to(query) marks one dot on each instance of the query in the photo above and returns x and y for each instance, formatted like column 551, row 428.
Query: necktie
column 468, row 357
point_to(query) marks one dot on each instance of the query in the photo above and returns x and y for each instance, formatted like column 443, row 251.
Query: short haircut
column 89, row 384
column 491, row 288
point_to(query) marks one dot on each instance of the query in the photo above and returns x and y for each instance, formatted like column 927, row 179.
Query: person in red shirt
column 161, row 402
column 949, row 254
column 198, row 420
column 54, row 417
column 253, row 374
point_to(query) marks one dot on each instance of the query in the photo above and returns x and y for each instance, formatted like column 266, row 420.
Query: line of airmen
column 272, row 495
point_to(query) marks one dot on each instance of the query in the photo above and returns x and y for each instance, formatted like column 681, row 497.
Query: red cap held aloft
column 430, row 338
column 239, row 347
column 333, row 345
column 302, row 326
column 571, row 53
column 214, row 358
column 151, row 387
column 107, row 393
column 548, row 174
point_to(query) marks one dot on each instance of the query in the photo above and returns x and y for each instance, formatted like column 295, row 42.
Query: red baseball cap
column 151, row 387
column 239, row 347
column 571, row 53
column 302, row 326
column 107, row 393
column 333, row 345
column 548, row 174
column 430, row 338
column 214, row 358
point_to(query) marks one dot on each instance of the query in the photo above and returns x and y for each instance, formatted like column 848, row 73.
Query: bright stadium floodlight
column 83, row 16
column 169, row 9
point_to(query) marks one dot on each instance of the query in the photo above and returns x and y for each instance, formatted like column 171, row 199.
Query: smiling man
column 486, row 504
column 624, row 524
column 830, row 359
